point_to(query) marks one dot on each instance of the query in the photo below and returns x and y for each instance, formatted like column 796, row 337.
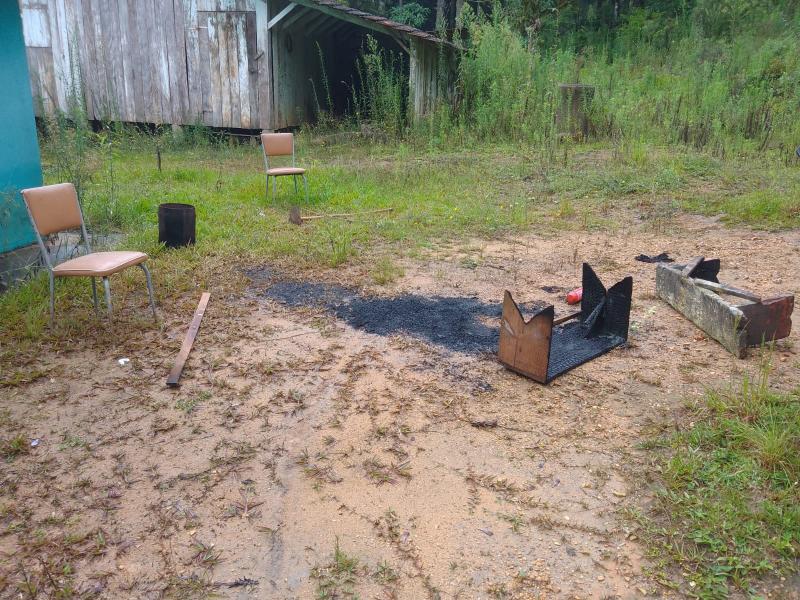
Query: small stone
column 600, row 578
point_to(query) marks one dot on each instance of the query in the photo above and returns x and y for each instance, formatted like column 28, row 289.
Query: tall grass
column 381, row 96
column 719, row 77
column 722, row 94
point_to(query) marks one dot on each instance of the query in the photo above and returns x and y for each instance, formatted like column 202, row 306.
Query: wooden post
column 572, row 115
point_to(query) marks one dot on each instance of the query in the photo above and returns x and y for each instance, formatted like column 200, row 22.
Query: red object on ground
column 575, row 296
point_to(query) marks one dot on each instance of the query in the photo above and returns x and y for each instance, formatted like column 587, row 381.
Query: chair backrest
column 277, row 144
column 53, row 208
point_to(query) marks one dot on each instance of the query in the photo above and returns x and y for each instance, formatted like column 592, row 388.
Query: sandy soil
column 294, row 433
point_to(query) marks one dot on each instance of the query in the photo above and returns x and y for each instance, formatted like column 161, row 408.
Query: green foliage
column 67, row 140
column 13, row 447
column 654, row 81
column 503, row 86
column 380, row 98
column 728, row 510
column 410, row 13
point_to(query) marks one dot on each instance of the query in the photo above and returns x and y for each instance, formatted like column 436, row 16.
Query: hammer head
column 294, row 216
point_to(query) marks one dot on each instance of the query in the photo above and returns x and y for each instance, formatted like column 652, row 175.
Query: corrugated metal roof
column 382, row 21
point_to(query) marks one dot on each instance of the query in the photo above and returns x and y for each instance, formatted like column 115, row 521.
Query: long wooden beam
column 343, row 16
column 734, row 326
column 702, row 307
column 279, row 17
column 721, row 288
column 188, row 341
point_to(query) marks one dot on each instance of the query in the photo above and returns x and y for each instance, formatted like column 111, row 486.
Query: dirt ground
column 294, row 433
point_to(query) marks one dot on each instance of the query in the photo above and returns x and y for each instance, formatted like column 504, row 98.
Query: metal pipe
column 107, row 287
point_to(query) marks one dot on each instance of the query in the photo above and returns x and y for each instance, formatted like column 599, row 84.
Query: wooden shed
column 249, row 64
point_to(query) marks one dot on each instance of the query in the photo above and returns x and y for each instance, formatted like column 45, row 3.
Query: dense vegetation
column 718, row 75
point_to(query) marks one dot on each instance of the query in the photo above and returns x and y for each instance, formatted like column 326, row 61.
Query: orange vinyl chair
column 55, row 208
column 281, row 144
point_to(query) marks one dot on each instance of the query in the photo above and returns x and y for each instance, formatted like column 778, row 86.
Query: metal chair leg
column 94, row 295
column 52, row 298
column 295, row 183
column 274, row 187
column 107, row 287
column 305, row 183
column 266, row 189
column 149, row 290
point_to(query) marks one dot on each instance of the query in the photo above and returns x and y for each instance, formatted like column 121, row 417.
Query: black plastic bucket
column 176, row 224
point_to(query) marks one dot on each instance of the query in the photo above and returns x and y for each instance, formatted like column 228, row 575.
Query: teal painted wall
column 20, row 165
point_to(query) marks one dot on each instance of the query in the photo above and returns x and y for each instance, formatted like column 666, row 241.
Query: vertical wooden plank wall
column 263, row 65
column 423, row 76
column 36, row 27
column 152, row 61
column 431, row 75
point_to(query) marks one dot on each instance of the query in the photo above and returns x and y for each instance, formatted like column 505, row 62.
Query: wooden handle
column 566, row 318
column 726, row 289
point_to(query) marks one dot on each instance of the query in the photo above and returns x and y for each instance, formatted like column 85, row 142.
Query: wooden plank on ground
column 188, row 341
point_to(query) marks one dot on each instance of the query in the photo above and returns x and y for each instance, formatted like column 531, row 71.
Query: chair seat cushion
column 278, row 171
column 99, row 264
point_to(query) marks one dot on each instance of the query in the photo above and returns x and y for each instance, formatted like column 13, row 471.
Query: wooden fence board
column 232, row 21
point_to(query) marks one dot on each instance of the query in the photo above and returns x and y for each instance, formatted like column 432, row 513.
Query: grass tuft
column 728, row 508
column 337, row 579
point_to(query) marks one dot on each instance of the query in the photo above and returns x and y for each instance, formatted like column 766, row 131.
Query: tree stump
column 572, row 114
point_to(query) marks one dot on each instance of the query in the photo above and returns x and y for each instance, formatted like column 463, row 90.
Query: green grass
column 437, row 196
column 386, row 271
column 338, row 578
column 727, row 511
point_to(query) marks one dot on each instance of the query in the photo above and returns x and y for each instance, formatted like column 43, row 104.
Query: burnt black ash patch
column 456, row 323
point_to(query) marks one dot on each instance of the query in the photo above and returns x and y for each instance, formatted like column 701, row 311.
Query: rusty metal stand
column 541, row 350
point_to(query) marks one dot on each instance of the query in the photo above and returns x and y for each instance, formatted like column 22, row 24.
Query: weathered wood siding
column 152, row 61
column 429, row 76
column 198, row 61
